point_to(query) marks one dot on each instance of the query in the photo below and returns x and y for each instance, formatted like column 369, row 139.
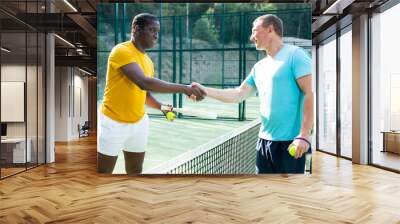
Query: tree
column 204, row 29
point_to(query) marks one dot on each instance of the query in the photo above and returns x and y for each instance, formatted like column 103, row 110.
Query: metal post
column 160, row 45
column 116, row 23
column 241, row 65
column 190, row 55
column 369, row 89
column 317, row 96
column 26, row 90
column 174, row 58
column 37, row 93
column 187, row 19
column 223, row 47
column 123, row 30
column 244, row 39
column 180, row 61
column 240, row 60
column 338, row 124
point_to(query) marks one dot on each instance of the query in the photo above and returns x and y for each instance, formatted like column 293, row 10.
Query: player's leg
column 133, row 162
column 273, row 157
column 264, row 158
column 105, row 163
column 109, row 144
column 135, row 146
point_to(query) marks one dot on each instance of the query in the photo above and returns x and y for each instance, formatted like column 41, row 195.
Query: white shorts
column 114, row 136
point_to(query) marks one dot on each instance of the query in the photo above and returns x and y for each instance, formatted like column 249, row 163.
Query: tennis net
column 233, row 153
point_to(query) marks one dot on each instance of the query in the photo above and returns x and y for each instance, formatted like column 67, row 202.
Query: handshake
column 195, row 91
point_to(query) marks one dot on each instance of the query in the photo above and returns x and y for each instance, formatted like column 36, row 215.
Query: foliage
column 204, row 29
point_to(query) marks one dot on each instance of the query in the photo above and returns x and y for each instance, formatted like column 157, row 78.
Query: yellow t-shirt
column 123, row 100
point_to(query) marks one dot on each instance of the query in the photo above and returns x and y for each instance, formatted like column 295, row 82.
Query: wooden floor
column 11, row 170
column 70, row 191
column 387, row 159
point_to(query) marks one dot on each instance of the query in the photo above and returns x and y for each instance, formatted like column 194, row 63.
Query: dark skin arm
column 136, row 75
column 152, row 102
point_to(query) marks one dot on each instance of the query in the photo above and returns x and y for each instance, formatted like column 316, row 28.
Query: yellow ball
column 292, row 150
column 170, row 116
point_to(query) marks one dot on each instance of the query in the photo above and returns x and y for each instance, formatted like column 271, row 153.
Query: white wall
column 13, row 73
column 82, row 82
column 61, row 103
column 71, row 102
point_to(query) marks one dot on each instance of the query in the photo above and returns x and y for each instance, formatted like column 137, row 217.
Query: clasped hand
column 196, row 92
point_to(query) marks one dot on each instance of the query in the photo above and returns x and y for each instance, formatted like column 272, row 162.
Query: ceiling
column 331, row 14
column 72, row 20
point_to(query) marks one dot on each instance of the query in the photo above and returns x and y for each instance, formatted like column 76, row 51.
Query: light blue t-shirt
column 281, row 99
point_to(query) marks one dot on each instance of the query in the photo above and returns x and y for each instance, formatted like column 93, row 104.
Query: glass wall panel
column 327, row 95
column 13, row 86
column 346, row 93
column 22, row 90
column 385, row 84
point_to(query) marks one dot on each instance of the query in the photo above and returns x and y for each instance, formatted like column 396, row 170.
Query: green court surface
column 170, row 139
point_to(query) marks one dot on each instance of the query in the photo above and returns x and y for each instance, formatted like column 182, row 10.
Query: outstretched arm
column 136, row 75
column 232, row 95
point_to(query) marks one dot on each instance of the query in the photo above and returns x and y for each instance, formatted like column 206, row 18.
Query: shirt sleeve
column 301, row 63
column 120, row 56
column 250, row 78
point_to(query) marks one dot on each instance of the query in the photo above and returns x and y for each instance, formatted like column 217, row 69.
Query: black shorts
column 273, row 157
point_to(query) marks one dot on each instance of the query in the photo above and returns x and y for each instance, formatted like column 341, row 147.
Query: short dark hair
column 143, row 19
column 275, row 21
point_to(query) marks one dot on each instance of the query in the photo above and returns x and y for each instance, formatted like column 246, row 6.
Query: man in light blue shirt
column 284, row 85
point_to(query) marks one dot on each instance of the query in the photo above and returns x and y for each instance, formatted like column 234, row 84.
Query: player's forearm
column 157, row 85
column 152, row 102
column 308, row 115
column 136, row 75
column 225, row 95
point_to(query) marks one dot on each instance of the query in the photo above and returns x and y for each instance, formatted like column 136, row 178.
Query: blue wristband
column 304, row 139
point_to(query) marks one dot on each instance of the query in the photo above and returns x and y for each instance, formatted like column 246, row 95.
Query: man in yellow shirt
column 123, row 123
